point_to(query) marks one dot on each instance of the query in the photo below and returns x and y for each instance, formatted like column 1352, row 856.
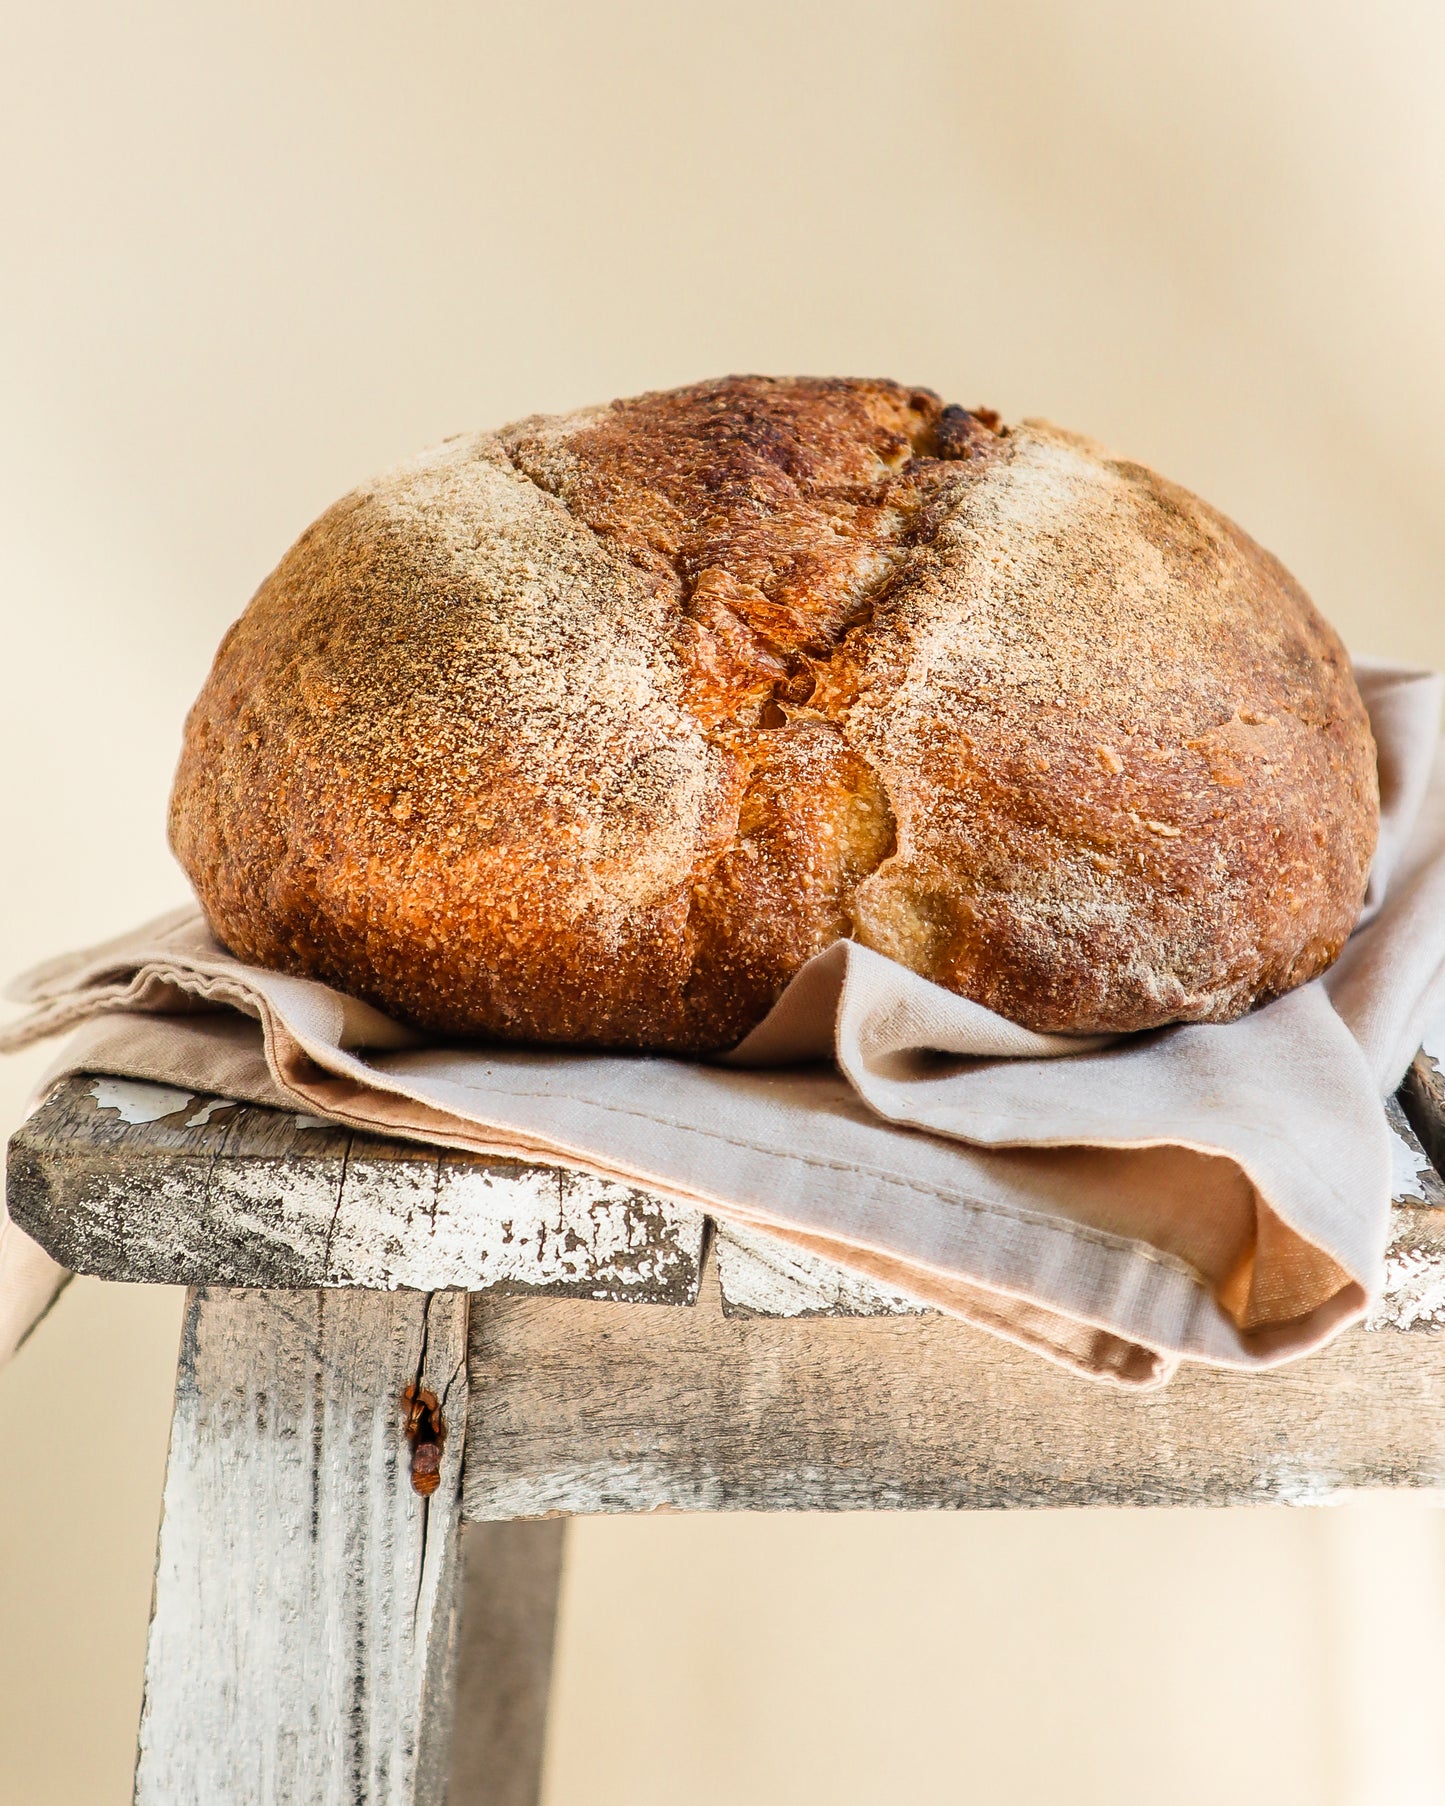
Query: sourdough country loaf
column 594, row 729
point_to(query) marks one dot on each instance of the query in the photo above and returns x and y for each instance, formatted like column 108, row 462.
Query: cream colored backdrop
column 249, row 254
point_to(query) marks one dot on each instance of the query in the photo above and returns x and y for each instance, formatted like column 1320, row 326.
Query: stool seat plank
column 141, row 1182
column 759, row 1276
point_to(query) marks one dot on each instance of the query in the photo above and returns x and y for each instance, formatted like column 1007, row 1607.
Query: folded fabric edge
column 1093, row 1351
column 62, row 972
column 1147, row 1288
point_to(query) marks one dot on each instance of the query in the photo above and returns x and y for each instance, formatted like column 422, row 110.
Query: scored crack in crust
column 593, row 730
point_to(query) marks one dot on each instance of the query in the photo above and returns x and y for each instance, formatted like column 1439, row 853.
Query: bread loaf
column 592, row 730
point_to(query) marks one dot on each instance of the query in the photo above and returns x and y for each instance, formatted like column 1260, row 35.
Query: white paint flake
column 208, row 1110
column 135, row 1102
column 1410, row 1171
column 1414, row 1291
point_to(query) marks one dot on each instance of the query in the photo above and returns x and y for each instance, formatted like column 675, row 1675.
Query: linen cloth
column 1216, row 1193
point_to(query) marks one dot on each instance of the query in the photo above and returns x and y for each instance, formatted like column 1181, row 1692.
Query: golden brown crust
column 593, row 730
column 1133, row 778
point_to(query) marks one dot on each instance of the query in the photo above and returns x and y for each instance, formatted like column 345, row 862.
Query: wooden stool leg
column 504, row 1669
column 302, row 1636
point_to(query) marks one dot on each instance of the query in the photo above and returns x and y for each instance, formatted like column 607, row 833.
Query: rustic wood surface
column 306, row 1593
column 759, row 1276
column 579, row 1408
column 308, row 1583
column 1415, row 1182
column 320, row 1666
column 1413, row 1295
column 143, row 1182
column 504, row 1664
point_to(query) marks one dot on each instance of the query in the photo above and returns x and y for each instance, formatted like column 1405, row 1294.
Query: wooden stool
column 384, row 1341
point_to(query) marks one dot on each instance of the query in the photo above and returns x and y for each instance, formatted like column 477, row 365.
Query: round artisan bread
column 594, row 729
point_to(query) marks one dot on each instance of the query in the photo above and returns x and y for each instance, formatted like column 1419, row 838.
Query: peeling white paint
column 1413, row 1179
column 136, row 1102
column 208, row 1110
column 1414, row 1292
column 515, row 1226
column 1410, row 1172
column 431, row 1223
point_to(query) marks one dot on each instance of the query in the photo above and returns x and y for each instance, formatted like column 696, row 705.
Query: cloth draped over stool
column 1217, row 1193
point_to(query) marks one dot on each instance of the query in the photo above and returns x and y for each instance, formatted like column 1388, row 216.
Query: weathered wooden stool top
column 782, row 1383
column 383, row 1340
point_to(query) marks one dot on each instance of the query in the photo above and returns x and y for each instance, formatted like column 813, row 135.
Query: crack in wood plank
column 336, row 1211
column 327, row 1655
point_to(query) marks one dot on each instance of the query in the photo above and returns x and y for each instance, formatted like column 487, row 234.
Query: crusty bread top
column 594, row 729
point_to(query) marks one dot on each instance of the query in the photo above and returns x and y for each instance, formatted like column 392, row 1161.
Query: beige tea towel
column 1212, row 1193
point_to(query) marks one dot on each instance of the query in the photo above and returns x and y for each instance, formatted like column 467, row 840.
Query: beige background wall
column 247, row 255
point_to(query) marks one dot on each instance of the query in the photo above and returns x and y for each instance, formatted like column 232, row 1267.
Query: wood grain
column 760, row 1276
column 504, row 1664
column 206, row 1191
column 577, row 1408
column 216, row 1193
column 306, row 1594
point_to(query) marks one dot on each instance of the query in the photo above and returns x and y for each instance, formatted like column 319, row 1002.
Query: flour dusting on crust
column 594, row 729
